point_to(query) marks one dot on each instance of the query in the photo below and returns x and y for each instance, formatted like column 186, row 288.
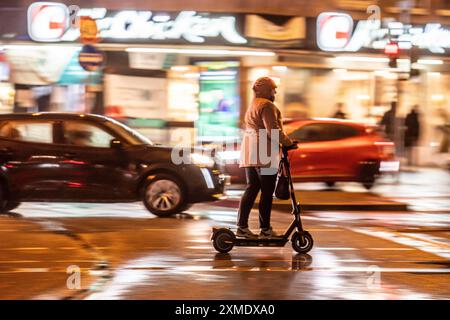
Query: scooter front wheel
column 223, row 240
column 302, row 242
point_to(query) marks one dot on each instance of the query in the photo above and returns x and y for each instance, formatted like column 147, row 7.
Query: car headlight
column 202, row 160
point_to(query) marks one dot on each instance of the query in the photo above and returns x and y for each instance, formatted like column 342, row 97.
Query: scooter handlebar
column 285, row 149
column 291, row 147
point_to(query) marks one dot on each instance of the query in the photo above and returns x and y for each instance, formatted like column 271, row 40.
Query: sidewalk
column 423, row 189
column 326, row 200
column 338, row 200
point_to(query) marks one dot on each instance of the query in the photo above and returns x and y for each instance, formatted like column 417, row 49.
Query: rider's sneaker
column 268, row 233
column 245, row 233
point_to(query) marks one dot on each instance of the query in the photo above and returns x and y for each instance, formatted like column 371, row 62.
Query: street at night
column 205, row 159
column 124, row 252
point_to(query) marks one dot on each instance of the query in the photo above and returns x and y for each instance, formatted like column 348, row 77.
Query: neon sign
column 432, row 36
column 129, row 24
column 371, row 34
column 47, row 21
column 333, row 31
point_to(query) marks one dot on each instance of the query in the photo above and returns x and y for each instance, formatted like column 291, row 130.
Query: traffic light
column 392, row 50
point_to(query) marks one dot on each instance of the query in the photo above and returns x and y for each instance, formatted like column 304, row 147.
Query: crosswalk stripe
column 421, row 244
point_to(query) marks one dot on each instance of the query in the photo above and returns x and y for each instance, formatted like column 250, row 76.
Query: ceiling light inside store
column 437, row 97
column 280, row 68
column 204, row 52
column 219, row 73
column 435, row 144
column 363, row 97
column 40, row 47
column 217, row 78
column 360, row 59
column 353, row 76
column 430, row 61
column 417, row 66
column 339, row 70
column 180, row 68
column 192, row 75
column 434, row 74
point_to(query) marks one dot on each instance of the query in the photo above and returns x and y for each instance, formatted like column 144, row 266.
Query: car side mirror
column 116, row 144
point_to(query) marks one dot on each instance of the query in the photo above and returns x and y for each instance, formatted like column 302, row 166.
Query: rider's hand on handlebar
column 292, row 146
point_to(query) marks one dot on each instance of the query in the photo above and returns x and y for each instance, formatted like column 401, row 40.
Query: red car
column 331, row 150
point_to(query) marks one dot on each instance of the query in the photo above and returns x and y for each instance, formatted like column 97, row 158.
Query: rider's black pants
column 257, row 182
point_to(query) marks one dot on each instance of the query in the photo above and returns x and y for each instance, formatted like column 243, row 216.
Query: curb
column 343, row 207
column 394, row 206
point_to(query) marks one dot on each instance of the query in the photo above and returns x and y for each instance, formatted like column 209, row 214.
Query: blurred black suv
column 90, row 158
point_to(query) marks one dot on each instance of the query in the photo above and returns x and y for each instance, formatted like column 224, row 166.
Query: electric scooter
column 224, row 239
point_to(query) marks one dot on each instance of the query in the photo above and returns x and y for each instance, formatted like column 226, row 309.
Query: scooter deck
column 272, row 242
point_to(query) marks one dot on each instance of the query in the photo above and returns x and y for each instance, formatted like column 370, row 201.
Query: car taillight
column 370, row 130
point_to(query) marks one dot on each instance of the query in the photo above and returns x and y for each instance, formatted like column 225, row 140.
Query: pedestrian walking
column 340, row 114
column 388, row 121
column 412, row 134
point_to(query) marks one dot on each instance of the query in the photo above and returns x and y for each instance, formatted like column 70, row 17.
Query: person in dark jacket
column 412, row 133
column 388, row 121
column 340, row 114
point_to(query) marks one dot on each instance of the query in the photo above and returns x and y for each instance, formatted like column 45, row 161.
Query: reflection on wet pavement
column 300, row 277
column 358, row 255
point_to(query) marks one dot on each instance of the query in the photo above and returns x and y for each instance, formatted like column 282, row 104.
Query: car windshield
column 132, row 136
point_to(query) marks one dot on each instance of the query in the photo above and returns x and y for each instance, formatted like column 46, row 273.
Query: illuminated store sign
column 432, row 36
column 332, row 36
column 47, row 21
column 333, row 31
column 129, row 24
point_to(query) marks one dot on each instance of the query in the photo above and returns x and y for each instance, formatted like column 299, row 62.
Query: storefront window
column 6, row 97
column 219, row 101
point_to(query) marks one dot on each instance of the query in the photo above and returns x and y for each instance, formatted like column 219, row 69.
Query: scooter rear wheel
column 302, row 243
column 223, row 240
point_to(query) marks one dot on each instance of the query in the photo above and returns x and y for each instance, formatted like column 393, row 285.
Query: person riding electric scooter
column 260, row 158
column 262, row 119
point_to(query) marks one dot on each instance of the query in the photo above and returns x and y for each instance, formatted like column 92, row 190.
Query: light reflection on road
column 183, row 264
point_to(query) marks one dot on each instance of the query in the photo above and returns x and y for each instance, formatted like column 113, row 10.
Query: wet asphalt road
column 123, row 252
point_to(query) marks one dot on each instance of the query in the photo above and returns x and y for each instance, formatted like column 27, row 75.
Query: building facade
column 184, row 69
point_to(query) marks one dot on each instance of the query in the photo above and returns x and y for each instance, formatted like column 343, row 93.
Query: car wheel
column 368, row 174
column 164, row 195
column 368, row 185
column 5, row 204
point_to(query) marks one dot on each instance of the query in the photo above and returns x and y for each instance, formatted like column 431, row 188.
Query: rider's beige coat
column 263, row 135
